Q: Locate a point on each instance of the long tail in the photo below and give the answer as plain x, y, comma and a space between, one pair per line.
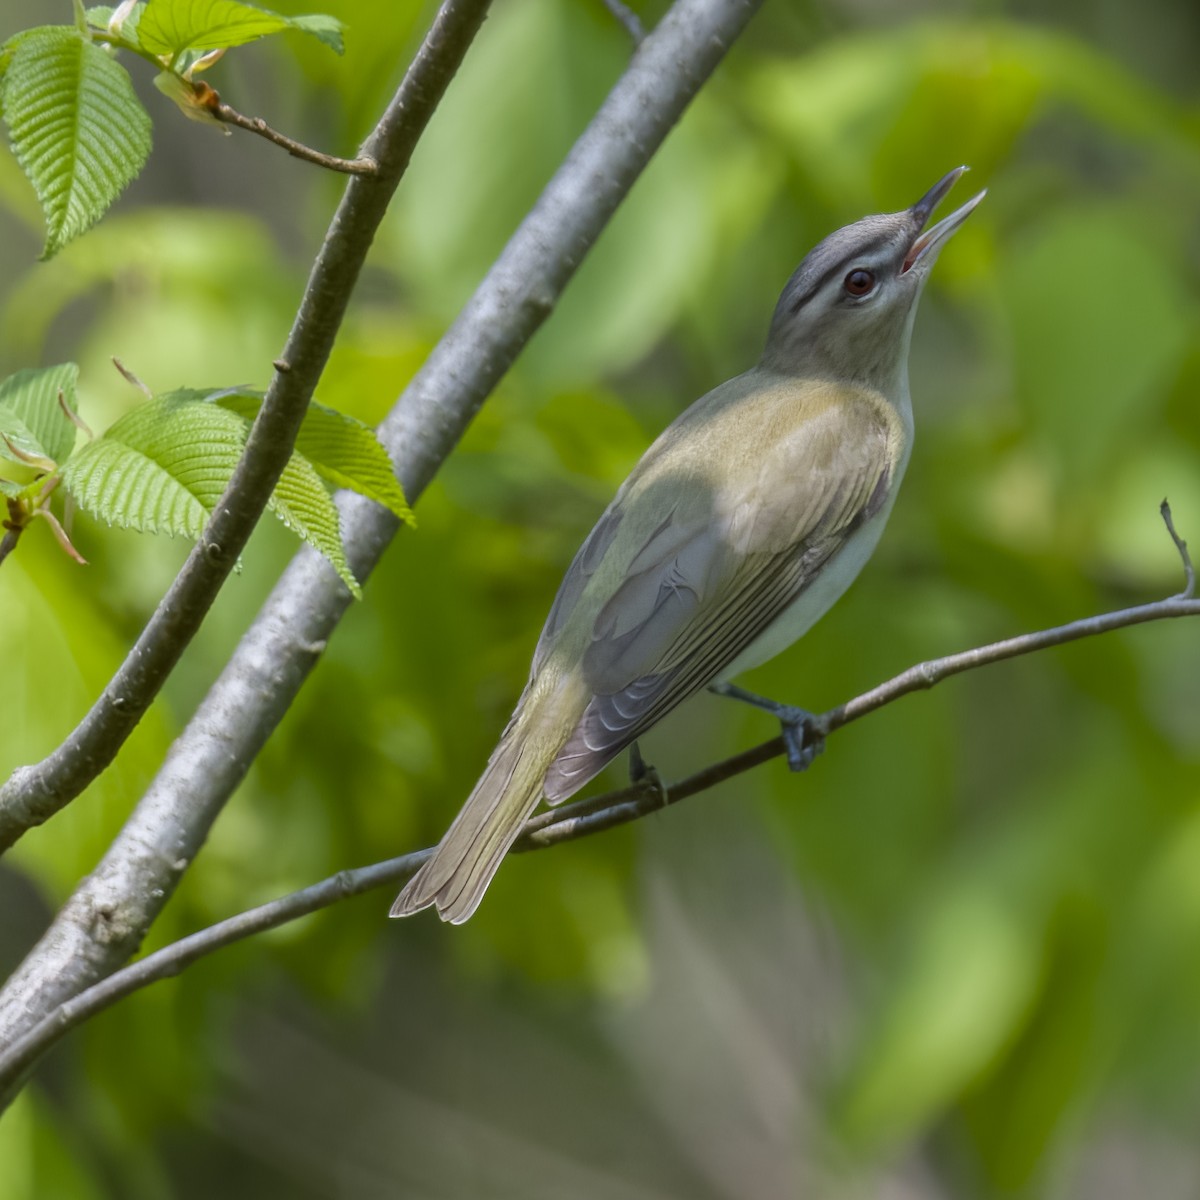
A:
460, 869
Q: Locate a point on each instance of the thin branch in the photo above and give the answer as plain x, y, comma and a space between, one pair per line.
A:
563, 824
35, 793
628, 20
1189, 571
18, 1057
102, 923
362, 165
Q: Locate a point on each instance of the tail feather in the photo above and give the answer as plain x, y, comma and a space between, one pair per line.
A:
460, 869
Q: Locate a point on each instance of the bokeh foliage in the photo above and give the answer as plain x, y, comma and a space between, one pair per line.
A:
960, 954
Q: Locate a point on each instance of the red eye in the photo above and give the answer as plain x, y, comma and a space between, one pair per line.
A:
859, 282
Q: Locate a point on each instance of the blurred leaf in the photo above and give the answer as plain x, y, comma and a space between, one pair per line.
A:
451, 221
194, 286
32, 396
964, 992
1100, 321
38, 1156
77, 128
858, 112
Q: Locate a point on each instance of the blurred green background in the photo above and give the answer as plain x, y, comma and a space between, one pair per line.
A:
958, 958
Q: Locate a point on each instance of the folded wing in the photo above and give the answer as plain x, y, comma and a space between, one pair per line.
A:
704, 584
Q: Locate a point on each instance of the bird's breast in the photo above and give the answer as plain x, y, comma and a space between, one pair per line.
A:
828, 586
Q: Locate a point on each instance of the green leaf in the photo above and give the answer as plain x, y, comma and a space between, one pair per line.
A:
326, 29
10, 489
301, 502
342, 450
160, 468
18, 443
32, 396
164, 466
101, 15
170, 27
76, 127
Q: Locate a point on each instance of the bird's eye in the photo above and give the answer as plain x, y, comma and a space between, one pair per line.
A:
859, 282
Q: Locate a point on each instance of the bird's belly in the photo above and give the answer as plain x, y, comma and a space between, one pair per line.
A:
816, 600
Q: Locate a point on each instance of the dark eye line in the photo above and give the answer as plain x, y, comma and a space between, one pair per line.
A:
836, 270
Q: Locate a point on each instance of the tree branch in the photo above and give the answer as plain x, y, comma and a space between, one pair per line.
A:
363, 165
35, 793
566, 823
102, 923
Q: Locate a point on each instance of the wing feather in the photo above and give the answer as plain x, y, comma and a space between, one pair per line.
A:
702, 592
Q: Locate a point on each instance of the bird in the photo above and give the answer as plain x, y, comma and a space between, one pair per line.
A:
744, 521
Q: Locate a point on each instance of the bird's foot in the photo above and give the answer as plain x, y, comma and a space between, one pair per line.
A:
802, 738
642, 773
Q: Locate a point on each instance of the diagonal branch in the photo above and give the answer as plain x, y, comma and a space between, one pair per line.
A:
568, 822
35, 793
103, 922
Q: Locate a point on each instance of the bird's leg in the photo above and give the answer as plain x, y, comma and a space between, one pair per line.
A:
800, 735
640, 771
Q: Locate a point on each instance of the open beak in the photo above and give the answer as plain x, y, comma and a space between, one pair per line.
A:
925, 243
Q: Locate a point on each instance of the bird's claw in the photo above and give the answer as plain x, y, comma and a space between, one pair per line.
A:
802, 737
802, 740
642, 774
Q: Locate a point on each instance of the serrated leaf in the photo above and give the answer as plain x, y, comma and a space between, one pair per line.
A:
164, 466
301, 502
170, 27
160, 468
76, 127
341, 448
32, 396
10, 489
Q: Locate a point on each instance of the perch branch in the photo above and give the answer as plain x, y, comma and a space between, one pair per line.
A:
568, 822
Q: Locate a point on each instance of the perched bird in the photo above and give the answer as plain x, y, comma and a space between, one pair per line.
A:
740, 526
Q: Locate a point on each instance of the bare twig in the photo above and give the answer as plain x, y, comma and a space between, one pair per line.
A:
628, 19
1189, 571
35, 793
553, 826
362, 165
110, 911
